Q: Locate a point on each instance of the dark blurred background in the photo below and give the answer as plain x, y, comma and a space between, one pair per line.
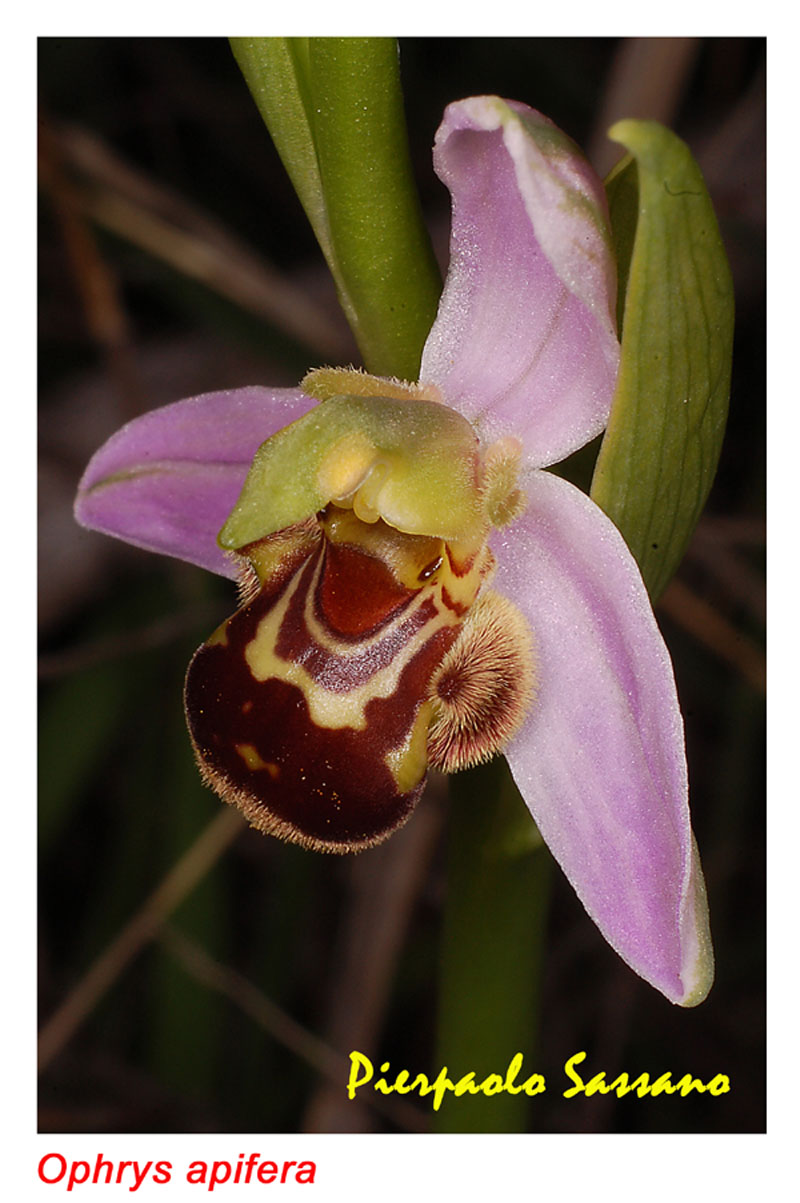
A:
175, 259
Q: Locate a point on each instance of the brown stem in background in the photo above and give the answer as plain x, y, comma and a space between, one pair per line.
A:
185, 874
156, 634
711, 628
647, 80
95, 282
741, 581
384, 889
280, 1025
128, 202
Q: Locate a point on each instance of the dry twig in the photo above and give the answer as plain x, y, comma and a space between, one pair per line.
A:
279, 1024
138, 932
126, 201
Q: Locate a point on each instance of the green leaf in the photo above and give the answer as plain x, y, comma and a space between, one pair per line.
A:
277, 73
334, 108
661, 448
622, 190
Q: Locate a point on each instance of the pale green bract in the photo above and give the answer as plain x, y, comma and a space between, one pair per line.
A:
413, 463
662, 444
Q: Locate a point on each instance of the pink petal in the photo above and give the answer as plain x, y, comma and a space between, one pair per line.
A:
524, 342
600, 760
168, 480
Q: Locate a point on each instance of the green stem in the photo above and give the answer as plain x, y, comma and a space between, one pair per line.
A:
495, 916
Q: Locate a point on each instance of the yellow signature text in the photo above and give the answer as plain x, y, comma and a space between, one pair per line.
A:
362, 1072
641, 1085
511, 1081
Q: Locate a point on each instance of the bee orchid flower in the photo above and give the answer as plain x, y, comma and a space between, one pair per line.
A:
417, 589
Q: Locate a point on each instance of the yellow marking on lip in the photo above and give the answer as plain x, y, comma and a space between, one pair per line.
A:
253, 759
404, 556
328, 708
408, 763
220, 636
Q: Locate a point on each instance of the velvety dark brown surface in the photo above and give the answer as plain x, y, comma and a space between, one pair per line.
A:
326, 783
